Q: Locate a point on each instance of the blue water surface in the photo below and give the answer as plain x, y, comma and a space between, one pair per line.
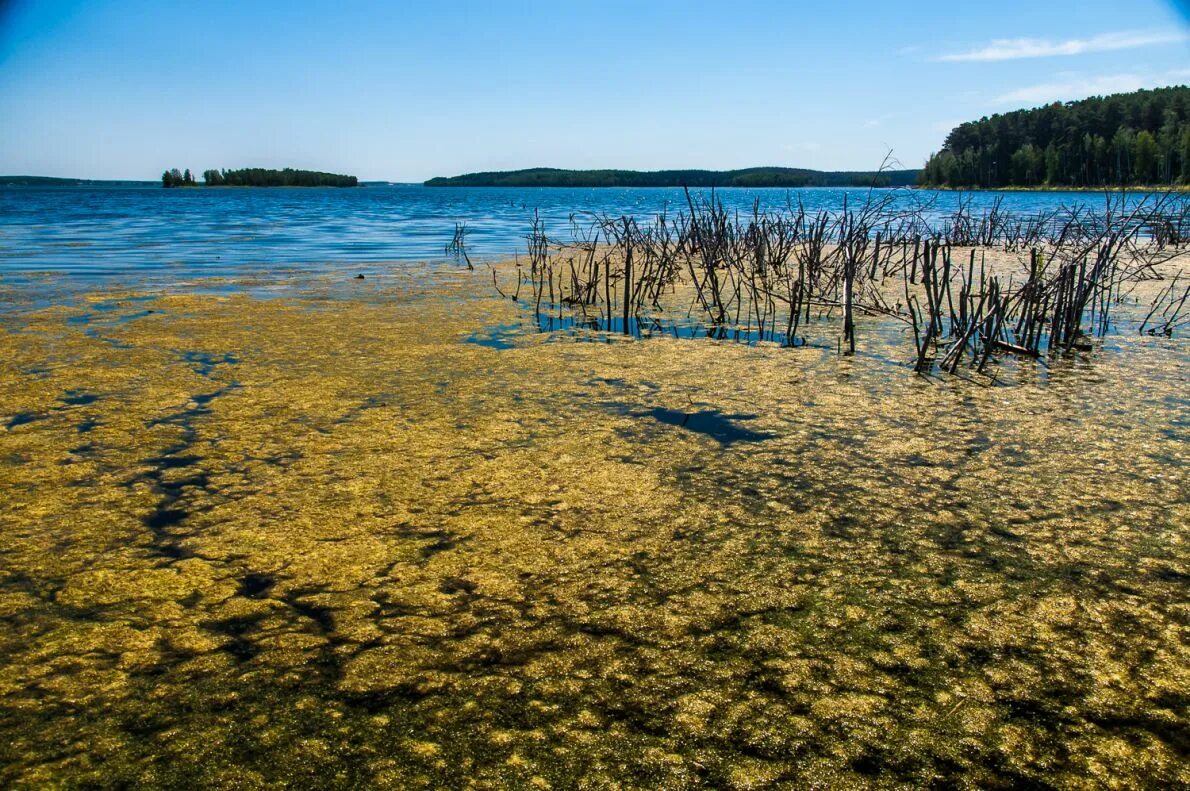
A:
90, 232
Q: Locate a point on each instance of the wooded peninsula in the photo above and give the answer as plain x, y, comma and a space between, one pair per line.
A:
1140, 138
748, 177
257, 177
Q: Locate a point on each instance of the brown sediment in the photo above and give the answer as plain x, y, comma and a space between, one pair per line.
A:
322, 539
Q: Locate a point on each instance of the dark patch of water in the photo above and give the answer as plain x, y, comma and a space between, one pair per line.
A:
163, 517
168, 512
22, 419
115, 344
240, 645
170, 509
442, 542
709, 422
173, 462
202, 399
78, 398
205, 362
453, 585
256, 586
323, 618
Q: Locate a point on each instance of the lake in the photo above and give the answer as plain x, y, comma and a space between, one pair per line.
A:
305, 530
103, 231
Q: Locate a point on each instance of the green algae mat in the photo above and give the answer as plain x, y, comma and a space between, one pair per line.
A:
385, 534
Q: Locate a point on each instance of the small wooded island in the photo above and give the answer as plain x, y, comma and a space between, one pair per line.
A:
257, 177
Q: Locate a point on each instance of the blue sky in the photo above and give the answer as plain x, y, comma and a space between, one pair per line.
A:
405, 91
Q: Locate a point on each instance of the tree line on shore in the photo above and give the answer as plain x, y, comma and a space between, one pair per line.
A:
747, 177
1130, 138
257, 177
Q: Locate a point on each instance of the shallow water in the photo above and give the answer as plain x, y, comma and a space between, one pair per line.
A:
326, 539
164, 235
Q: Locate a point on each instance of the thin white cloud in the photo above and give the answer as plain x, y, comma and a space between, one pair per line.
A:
1018, 48
1081, 88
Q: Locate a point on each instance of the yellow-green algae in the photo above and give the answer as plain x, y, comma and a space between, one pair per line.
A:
317, 540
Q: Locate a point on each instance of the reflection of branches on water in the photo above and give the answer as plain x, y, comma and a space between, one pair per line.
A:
1170, 306
768, 274
458, 244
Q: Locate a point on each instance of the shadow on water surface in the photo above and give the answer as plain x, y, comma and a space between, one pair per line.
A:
712, 423
256, 586
172, 508
205, 362
72, 398
78, 398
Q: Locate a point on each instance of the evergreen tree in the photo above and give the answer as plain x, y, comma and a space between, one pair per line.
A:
1185, 156
1145, 158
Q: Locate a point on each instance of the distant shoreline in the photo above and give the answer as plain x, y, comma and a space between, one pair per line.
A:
758, 177
54, 181
204, 186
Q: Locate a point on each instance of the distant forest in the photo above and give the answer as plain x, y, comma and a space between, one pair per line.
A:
57, 181
750, 177
1129, 138
257, 177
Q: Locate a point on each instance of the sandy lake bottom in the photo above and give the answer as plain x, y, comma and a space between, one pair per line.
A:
350, 534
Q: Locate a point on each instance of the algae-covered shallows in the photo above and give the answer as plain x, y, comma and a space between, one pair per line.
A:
398, 559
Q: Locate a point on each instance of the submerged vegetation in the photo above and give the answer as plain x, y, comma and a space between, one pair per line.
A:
1129, 138
1051, 285
315, 540
748, 177
258, 177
